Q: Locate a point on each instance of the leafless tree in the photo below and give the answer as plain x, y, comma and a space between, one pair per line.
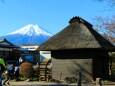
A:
112, 2
110, 24
106, 25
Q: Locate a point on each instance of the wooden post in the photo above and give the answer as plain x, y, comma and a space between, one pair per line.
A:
79, 79
60, 75
98, 82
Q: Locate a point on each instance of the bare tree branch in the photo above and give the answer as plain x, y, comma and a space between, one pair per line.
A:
107, 26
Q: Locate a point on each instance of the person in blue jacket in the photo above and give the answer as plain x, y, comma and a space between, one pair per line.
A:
9, 74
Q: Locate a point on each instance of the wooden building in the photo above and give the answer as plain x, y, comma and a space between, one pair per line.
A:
29, 53
8, 51
78, 48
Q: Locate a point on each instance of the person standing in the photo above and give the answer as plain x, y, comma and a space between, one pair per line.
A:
9, 73
16, 73
0, 76
7, 77
11, 69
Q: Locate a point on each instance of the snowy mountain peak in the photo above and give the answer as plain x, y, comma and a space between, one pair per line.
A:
30, 30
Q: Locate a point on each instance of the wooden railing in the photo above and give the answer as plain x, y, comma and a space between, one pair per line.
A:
44, 70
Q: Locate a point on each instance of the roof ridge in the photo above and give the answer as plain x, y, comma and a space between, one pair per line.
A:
79, 20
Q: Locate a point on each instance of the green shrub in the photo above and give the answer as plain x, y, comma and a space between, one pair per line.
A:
26, 70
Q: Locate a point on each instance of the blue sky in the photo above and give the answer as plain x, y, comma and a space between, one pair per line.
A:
52, 15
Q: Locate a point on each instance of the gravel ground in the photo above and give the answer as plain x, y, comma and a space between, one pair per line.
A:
44, 83
36, 83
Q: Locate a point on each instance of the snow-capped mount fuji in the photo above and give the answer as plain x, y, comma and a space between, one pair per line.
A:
31, 30
30, 34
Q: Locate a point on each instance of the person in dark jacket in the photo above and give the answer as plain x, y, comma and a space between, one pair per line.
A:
16, 73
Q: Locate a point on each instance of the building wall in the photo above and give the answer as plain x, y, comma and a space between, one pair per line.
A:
70, 63
71, 68
10, 55
46, 54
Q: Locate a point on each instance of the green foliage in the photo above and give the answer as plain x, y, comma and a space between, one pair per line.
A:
22, 78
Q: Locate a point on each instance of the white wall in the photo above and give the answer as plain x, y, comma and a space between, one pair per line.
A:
31, 48
46, 54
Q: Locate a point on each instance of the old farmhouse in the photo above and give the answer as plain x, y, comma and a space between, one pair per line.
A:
8, 51
78, 48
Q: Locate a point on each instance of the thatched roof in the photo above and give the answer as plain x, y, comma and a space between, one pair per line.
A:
78, 34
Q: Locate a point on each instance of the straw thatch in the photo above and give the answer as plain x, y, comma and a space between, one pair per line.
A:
79, 34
